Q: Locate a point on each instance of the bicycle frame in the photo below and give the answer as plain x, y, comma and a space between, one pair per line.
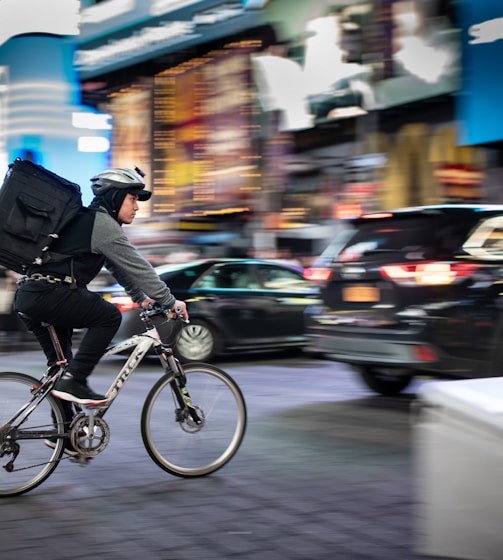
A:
87, 434
140, 345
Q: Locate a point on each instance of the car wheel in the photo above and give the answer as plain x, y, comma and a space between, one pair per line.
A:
385, 380
198, 342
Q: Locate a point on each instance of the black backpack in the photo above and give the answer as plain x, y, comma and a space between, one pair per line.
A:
35, 204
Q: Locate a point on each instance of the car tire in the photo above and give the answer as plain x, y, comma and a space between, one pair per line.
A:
198, 342
384, 380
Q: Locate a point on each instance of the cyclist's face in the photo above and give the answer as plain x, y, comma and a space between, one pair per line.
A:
128, 209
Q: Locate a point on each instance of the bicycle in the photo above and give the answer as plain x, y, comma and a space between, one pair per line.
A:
202, 435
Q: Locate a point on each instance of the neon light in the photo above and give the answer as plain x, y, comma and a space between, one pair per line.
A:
94, 121
155, 37
135, 44
94, 144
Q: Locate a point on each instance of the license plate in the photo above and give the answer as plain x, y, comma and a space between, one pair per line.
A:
362, 294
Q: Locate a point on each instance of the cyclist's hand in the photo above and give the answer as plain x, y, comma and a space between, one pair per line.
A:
179, 308
147, 303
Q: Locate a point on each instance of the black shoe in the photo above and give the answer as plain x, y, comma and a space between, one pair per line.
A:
69, 389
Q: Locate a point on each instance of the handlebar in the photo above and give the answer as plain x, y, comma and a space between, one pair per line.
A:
156, 310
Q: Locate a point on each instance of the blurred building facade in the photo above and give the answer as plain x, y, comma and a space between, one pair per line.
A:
41, 115
259, 118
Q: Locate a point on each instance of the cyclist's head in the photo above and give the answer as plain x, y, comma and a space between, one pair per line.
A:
122, 179
111, 187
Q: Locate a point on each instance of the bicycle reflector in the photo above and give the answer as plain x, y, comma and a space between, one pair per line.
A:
430, 273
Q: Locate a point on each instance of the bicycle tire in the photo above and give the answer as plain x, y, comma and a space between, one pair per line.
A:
35, 461
186, 450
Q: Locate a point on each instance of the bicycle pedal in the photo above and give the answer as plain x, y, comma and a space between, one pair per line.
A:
81, 460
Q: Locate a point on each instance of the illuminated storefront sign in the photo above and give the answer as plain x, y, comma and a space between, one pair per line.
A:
315, 89
461, 182
140, 43
203, 135
355, 58
132, 138
119, 33
479, 105
40, 111
107, 17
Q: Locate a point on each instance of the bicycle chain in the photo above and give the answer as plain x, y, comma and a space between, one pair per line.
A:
40, 464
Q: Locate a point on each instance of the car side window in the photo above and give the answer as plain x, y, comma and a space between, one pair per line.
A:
231, 277
206, 281
277, 278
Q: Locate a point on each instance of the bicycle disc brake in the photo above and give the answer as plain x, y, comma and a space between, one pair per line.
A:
186, 421
89, 435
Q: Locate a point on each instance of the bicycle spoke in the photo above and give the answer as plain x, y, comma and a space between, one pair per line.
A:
183, 447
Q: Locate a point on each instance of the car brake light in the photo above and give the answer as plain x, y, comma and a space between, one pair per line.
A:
123, 303
424, 353
377, 215
317, 274
431, 273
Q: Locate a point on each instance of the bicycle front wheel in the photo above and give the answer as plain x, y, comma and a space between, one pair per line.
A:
25, 460
182, 447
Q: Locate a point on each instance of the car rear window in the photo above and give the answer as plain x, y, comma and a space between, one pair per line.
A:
426, 234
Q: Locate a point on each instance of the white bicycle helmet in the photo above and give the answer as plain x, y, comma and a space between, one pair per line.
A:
121, 178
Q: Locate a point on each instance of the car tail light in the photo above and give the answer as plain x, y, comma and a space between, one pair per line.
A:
123, 303
317, 274
424, 353
377, 215
430, 273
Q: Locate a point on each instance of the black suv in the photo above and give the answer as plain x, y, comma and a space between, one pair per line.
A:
411, 292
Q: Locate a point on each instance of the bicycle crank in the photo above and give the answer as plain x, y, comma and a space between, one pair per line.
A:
89, 434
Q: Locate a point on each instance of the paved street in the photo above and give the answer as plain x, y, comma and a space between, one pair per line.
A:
325, 472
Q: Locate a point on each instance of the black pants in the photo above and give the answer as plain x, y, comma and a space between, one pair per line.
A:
68, 308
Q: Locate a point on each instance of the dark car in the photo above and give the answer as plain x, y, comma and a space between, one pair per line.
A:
412, 292
234, 305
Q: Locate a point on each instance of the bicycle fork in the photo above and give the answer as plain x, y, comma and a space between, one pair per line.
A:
186, 408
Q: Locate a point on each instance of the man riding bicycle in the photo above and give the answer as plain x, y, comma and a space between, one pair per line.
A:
57, 293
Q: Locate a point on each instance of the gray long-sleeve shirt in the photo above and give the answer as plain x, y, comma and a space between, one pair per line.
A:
125, 262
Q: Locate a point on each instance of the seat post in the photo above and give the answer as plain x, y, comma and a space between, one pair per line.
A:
61, 359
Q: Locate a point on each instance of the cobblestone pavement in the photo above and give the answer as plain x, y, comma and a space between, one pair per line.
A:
325, 472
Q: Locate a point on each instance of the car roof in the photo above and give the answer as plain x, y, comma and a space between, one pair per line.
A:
210, 261
434, 209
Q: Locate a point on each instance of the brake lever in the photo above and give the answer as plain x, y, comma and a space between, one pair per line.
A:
179, 315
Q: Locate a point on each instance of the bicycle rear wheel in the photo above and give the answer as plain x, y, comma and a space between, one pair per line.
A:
35, 461
183, 448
